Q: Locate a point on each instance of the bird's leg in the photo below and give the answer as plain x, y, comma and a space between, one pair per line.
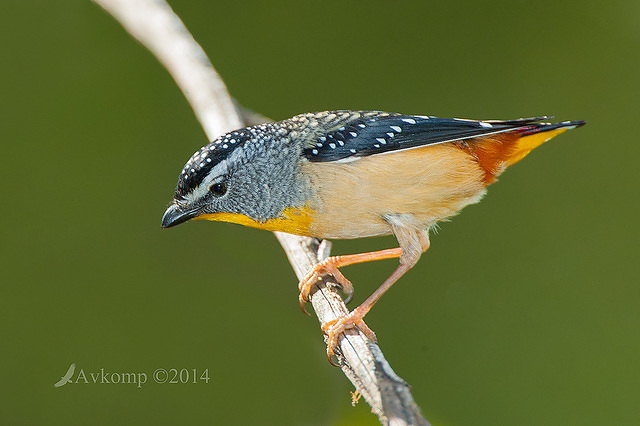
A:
412, 244
331, 265
334, 328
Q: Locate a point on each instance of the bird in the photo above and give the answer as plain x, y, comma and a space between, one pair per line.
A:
67, 376
353, 174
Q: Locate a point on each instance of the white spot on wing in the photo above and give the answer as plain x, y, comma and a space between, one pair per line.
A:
396, 128
409, 120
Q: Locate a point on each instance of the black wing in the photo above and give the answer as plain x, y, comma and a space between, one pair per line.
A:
390, 132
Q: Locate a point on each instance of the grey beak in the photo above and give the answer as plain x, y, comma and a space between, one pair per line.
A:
175, 215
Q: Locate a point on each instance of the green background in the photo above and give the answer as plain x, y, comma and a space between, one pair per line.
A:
523, 312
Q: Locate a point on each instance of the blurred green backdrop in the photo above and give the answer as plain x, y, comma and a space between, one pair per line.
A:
523, 312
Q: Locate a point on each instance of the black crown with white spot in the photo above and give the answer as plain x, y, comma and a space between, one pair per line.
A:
201, 163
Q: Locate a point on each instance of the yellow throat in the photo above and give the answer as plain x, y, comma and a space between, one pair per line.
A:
293, 220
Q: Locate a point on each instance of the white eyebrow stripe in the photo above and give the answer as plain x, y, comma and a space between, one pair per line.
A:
214, 175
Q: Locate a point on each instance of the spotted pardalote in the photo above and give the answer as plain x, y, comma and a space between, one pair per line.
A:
353, 174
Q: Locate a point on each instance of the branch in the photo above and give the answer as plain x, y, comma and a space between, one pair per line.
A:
157, 27
361, 361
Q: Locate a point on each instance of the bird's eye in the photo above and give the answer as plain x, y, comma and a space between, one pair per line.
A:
218, 189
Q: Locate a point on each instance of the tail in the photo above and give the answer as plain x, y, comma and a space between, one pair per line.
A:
497, 152
533, 136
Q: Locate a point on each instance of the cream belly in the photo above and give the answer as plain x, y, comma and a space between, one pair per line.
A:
420, 186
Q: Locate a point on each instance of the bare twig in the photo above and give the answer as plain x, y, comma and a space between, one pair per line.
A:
157, 27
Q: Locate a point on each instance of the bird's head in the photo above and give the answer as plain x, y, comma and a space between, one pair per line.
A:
246, 177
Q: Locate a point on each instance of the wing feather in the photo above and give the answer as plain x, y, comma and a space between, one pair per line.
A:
376, 133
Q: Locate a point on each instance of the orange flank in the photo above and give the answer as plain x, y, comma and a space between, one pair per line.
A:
495, 153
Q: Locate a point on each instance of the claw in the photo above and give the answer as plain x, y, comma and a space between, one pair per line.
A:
327, 266
332, 329
348, 292
302, 301
330, 354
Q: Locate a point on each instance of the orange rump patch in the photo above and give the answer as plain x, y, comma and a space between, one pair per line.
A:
495, 153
